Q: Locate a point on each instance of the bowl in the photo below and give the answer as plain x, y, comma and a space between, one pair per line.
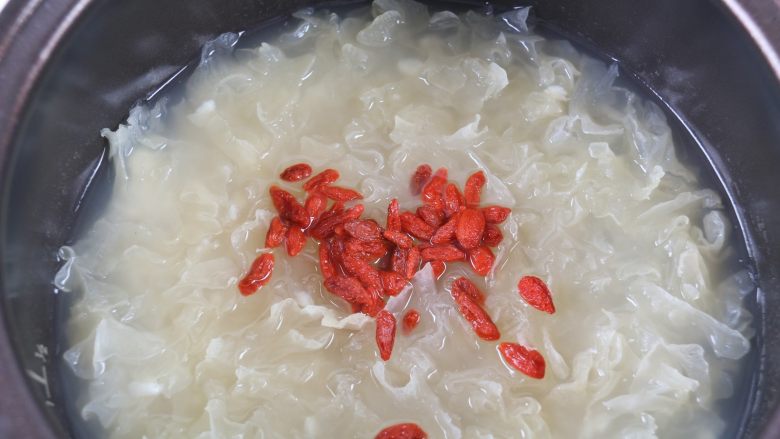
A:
71, 67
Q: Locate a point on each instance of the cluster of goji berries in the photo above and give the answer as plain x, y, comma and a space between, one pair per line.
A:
363, 262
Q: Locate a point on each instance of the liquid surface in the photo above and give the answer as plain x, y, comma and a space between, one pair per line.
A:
649, 328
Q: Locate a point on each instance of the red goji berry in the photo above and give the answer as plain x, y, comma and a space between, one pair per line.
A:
463, 285
492, 236
471, 226
413, 259
527, 361
327, 176
400, 239
315, 204
473, 189
366, 249
385, 333
438, 268
296, 172
496, 214
374, 307
441, 173
535, 292
481, 260
398, 261
413, 225
329, 220
280, 198
392, 282
338, 193
349, 289
419, 178
326, 263
259, 274
444, 253
453, 200
364, 272
336, 249
446, 233
339, 231
411, 319
364, 230
474, 314
288, 207
402, 431
432, 193
276, 232
432, 217
295, 240
393, 217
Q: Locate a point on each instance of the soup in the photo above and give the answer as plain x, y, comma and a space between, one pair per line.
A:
648, 327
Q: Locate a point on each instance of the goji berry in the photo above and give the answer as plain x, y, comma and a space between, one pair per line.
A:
398, 261
474, 314
432, 193
327, 176
364, 272
432, 217
413, 225
392, 282
315, 204
471, 226
492, 236
413, 259
481, 260
295, 240
296, 172
402, 431
288, 207
463, 285
349, 289
444, 253
336, 249
419, 178
329, 220
374, 307
441, 173
438, 268
496, 214
535, 292
366, 249
423, 245
276, 232
393, 217
365, 230
326, 264
259, 274
453, 200
527, 361
446, 233
411, 319
400, 239
338, 193
280, 198
473, 189
385, 333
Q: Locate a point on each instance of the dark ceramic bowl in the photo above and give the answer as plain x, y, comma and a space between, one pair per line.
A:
71, 67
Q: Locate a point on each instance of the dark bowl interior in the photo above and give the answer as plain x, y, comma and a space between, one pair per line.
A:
75, 67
